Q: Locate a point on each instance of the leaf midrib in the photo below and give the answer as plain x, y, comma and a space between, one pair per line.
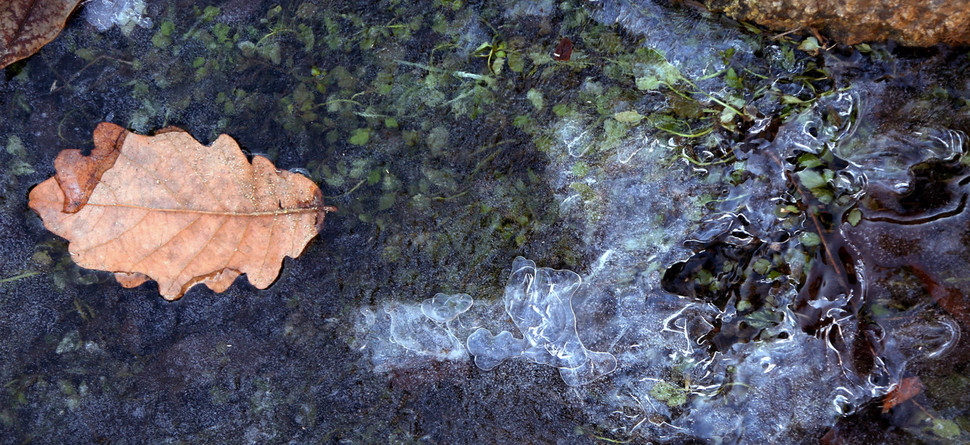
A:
314, 209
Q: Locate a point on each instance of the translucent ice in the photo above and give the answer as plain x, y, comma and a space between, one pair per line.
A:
443, 308
539, 300
403, 335
416, 333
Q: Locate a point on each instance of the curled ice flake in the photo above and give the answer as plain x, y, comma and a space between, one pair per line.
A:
539, 302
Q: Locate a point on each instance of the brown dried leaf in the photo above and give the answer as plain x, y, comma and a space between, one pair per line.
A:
906, 389
168, 208
27, 25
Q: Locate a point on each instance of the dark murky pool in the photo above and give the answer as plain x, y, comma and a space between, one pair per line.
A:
575, 222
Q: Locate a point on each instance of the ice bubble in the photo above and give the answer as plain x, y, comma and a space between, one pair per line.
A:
539, 301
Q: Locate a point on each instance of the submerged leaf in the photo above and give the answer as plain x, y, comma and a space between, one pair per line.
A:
564, 50
168, 208
27, 25
811, 178
907, 389
628, 117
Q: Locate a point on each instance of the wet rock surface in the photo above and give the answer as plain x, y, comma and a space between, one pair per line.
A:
909, 22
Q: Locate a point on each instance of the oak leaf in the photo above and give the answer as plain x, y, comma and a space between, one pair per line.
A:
27, 25
168, 208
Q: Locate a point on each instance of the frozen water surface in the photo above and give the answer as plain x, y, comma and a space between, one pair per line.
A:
691, 231
539, 301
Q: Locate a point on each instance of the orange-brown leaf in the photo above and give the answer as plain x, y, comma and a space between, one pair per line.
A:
906, 389
27, 25
168, 208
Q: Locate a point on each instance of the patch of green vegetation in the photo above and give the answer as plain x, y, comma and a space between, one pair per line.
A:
19, 165
672, 395
945, 428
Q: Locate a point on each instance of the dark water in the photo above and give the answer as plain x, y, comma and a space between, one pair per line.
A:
725, 236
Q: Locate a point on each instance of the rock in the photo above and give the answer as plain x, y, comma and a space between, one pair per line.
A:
909, 22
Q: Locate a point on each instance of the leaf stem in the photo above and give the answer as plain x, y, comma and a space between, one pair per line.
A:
19, 276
